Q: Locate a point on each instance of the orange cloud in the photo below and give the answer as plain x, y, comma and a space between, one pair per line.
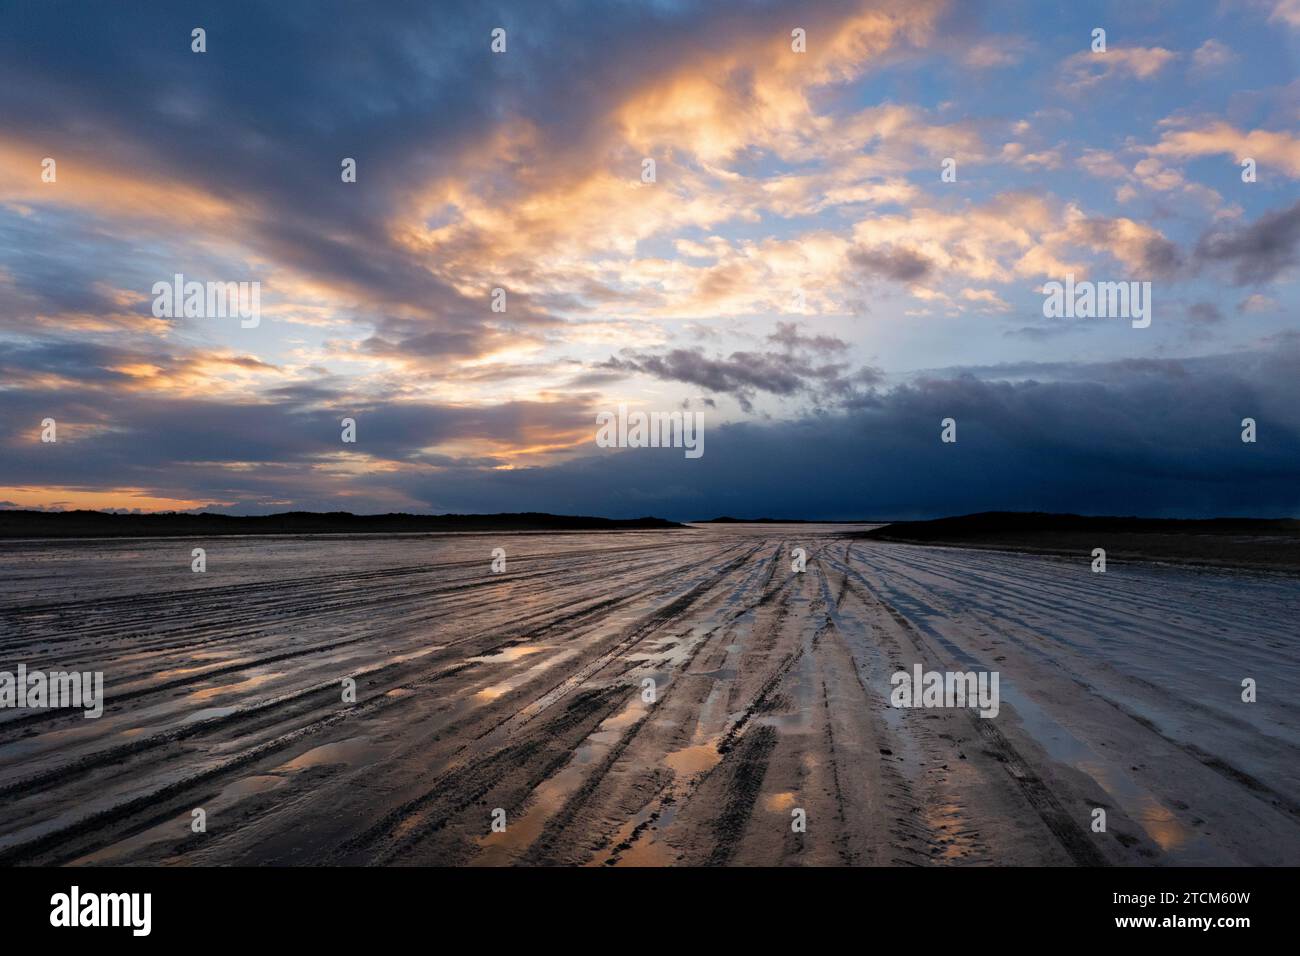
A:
96, 499
84, 182
1086, 68
577, 224
1269, 149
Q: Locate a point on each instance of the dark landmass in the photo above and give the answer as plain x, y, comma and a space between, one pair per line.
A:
100, 524
1270, 543
727, 519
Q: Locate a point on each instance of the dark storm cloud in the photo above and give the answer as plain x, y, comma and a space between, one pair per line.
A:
283, 89
798, 367
1158, 438
1143, 436
1259, 252
741, 375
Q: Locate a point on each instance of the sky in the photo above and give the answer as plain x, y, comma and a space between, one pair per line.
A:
855, 210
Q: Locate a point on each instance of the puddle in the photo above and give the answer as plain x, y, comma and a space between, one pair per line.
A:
413, 655
249, 786
211, 659
494, 691
779, 802
671, 652
179, 828
1183, 846
343, 751
509, 654
1163, 827
1156, 819
209, 712
237, 687
693, 760
646, 850
549, 797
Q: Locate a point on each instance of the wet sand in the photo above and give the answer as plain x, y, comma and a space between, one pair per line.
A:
1233, 543
523, 691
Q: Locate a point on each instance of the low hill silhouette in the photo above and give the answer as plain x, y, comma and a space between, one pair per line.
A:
101, 524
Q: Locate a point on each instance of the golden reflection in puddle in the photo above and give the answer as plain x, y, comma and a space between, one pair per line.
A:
550, 796
1162, 825
498, 848
692, 760
209, 661
647, 852
779, 802
628, 716
524, 676
257, 680
509, 654
639, 841
344, 751
1156, 819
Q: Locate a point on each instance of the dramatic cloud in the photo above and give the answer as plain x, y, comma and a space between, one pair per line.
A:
800, 367
1157, 438
666, 205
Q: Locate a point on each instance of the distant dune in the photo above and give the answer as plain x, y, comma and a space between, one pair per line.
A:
1224, 542
99, 524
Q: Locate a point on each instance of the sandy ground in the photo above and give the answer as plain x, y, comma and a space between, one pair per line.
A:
523, 691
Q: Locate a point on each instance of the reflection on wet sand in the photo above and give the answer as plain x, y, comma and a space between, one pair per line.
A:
524, 691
